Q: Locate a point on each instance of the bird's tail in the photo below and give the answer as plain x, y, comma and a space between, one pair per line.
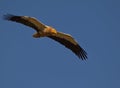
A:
36, 35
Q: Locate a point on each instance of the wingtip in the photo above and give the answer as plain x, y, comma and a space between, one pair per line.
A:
81, 53
84, 57
7, 16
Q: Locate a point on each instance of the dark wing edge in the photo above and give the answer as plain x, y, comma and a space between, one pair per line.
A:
75, 48
28, 21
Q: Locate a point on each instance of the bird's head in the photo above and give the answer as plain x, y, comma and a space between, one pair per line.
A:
50, 30
53, 31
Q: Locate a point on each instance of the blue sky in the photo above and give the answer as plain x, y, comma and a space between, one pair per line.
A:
26, 62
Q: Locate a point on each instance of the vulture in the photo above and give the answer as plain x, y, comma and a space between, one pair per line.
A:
43, 30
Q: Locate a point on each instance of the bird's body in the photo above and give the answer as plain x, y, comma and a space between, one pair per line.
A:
47, 31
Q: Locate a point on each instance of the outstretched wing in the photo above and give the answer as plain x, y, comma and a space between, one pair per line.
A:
26, 20
70, 43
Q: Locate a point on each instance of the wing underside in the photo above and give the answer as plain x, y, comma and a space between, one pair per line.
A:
70, 43
28, 21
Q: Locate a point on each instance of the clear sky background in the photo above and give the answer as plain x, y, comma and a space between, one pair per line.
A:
26, 62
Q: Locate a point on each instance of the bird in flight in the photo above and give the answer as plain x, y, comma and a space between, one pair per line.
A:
43, 30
